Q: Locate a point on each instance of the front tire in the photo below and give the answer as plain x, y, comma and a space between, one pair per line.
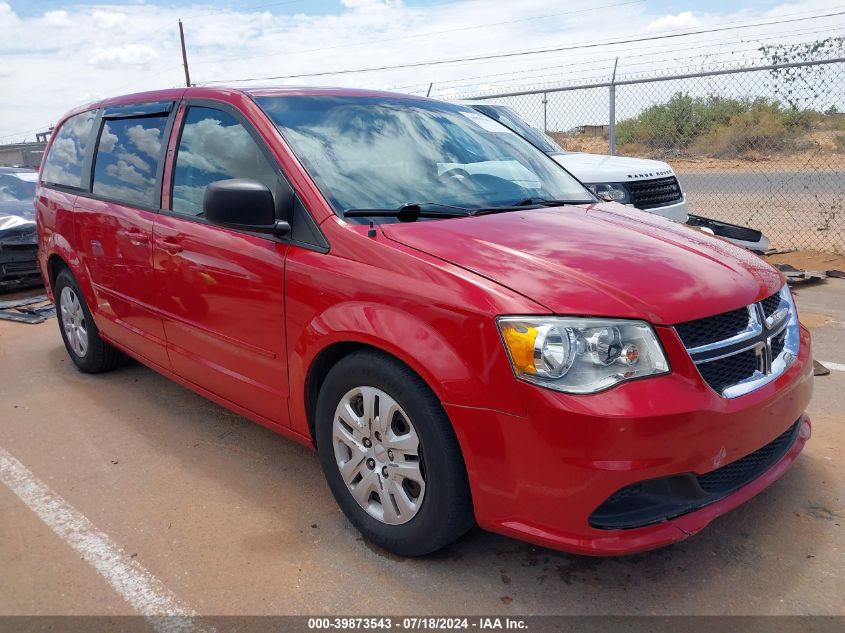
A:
390, 455
90, 353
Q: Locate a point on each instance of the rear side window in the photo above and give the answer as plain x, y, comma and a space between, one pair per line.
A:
128, 156
214, 146
67, 152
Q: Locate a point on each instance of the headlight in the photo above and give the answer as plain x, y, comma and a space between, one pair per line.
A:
581, 355
615, 192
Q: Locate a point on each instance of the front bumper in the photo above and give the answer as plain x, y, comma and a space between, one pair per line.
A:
540, 477
19, 266
677, 212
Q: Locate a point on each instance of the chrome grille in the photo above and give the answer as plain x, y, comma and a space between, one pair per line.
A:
741, 350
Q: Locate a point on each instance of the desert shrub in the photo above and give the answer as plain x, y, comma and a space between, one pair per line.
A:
794, 120
674, 124
755, 131
715, 125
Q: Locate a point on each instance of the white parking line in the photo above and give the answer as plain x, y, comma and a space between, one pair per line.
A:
833, 366
136, 585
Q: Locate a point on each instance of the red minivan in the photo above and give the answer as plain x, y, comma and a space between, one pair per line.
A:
457, 325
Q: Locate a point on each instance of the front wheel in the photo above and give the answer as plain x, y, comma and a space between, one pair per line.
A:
390, 455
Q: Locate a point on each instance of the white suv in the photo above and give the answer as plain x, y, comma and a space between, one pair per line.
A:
649, 185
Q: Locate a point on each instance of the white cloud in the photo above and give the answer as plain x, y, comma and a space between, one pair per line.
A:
135, 160
86, 51
108, 19
65, 150
108, 139
370, 5
127, 55
684, 20
9, 21
127, 173
56, 18
145, 139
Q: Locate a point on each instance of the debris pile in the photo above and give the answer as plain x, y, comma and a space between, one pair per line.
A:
29, 310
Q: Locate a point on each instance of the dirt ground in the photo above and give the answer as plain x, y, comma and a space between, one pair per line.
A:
232, 519
809, 160
821, 158
809, 260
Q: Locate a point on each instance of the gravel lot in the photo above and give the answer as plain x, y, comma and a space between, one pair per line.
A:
229, 518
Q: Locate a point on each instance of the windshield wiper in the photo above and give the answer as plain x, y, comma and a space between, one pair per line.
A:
548, 203
410, 211
529, 203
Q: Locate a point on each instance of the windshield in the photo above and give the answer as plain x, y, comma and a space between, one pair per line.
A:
384, 152
510, 119
17, 187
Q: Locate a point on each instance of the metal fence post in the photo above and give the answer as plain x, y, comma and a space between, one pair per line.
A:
545, 113
611, 128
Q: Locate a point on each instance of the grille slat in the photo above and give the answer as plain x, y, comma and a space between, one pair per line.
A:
713, 329
20, 268
770, 304
648, 194
730, 370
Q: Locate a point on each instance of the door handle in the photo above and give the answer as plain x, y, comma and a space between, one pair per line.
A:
171, 245
138, 237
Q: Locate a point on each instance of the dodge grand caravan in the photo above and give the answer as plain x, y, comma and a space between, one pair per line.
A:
462, 331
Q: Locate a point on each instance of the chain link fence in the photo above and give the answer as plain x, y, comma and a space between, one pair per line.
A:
762, 147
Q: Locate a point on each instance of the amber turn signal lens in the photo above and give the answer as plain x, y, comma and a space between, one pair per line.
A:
519, 340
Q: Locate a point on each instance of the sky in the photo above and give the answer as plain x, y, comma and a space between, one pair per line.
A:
57, 54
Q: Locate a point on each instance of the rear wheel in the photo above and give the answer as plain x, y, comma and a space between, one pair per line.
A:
87, 350
390, 455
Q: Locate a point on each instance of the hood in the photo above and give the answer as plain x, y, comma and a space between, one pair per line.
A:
599, 260
599, 168
17, 223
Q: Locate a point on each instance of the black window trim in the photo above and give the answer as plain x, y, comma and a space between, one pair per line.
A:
142, 110
222, 106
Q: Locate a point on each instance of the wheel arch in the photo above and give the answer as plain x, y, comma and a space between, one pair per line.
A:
319, 368
60, 255
346, 328
55, 264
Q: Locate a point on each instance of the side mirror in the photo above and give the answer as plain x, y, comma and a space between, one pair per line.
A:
243, 204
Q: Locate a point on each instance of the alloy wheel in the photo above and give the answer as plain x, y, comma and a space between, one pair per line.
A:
73, 321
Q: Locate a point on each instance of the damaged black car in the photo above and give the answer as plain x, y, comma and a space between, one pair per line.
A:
18, 262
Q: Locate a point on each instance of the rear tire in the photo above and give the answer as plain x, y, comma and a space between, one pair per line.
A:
90, 353
405, 486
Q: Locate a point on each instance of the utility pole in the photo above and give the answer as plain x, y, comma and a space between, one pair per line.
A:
184, 55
